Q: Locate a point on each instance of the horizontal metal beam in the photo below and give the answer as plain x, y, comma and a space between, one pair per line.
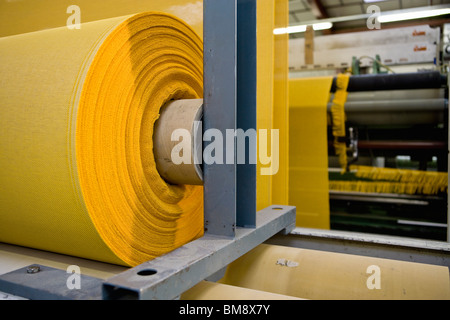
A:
370, 106
385, 195
369, 245
403, 145
337, 195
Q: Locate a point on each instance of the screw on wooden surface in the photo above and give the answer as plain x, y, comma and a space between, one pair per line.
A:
33, 269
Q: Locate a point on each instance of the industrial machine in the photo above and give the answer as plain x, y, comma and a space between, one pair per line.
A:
405, 128
265, 254
396, 117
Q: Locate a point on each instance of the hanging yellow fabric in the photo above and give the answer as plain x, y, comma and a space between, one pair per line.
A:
77, 172
272, 97
338, 118
308, 150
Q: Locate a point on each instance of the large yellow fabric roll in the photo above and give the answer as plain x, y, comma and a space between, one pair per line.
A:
76, 164
393, 180
23, 16
77, 172
338, 119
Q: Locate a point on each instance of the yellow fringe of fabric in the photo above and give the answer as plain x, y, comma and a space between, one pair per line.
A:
338, 118
390, 180
385, 187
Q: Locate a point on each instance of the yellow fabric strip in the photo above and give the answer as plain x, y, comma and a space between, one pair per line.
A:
439, 179
308, 151
385, 187
338, 118
77, 169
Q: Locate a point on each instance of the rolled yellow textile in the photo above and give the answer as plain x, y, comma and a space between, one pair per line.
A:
77, 172
338, 118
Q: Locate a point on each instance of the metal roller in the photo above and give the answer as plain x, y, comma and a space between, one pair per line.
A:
400, 112
401, 81
394, 95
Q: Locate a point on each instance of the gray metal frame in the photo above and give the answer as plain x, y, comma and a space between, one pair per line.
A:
229, 32
49, 284
369, 245
219, 111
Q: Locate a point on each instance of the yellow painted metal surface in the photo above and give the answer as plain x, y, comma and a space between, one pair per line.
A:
308, 151
272, 97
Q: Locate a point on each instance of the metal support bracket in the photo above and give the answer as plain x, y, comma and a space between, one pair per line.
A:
168, 276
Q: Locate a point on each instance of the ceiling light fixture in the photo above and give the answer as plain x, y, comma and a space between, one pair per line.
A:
412, 15
302, 28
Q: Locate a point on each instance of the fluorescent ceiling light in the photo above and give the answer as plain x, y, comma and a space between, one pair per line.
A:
412, 15
322, 26
302, 28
